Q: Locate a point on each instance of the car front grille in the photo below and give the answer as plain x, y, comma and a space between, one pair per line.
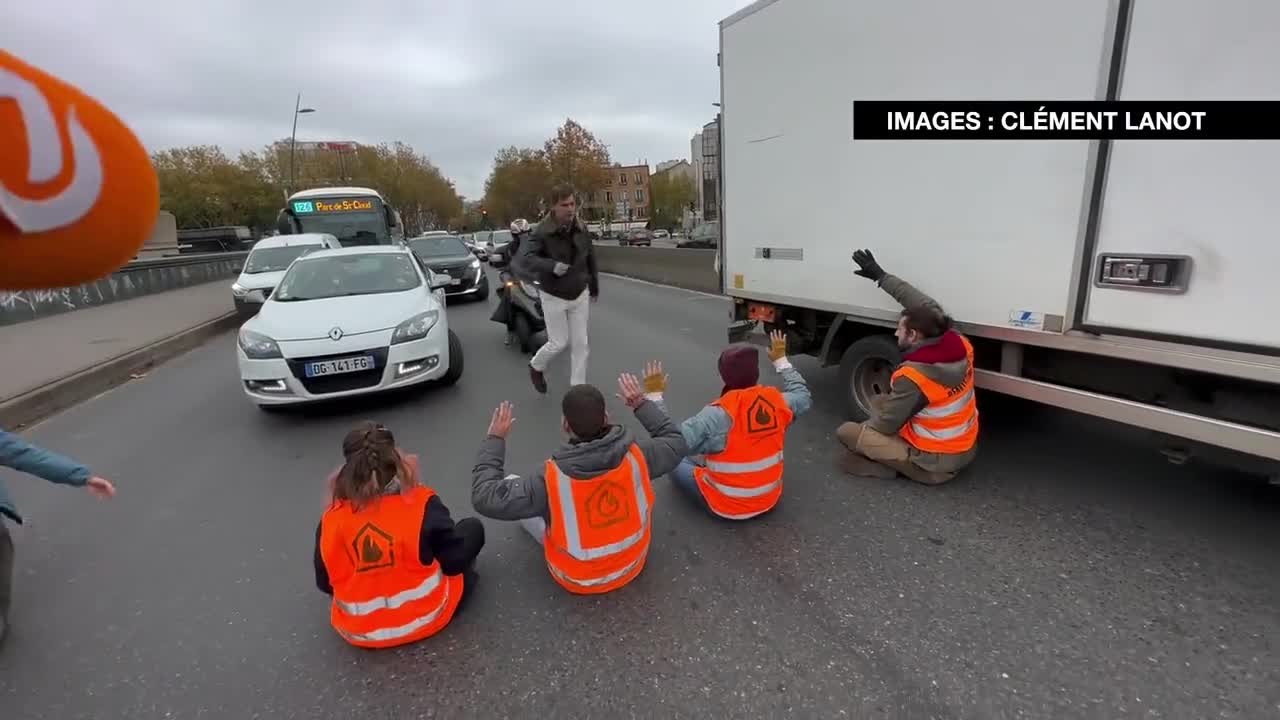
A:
464, 272
345, 381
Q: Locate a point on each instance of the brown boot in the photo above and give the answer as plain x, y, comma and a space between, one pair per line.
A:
851, 463
919, 474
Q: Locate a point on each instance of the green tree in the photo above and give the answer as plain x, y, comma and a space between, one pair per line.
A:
518, 185
203, 187
576, 157
670, 195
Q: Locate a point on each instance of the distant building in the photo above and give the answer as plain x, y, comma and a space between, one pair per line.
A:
710, 193
695, 159
678, 168
624, 197
666, 164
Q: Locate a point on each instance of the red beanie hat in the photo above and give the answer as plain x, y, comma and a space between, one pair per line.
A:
739, 367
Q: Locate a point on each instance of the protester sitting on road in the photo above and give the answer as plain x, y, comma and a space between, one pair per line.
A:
741, 434
926, 427
24, 457
396, 564
560, 255
591, 504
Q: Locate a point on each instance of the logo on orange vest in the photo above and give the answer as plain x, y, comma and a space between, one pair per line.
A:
607, 506
761, 416
374, 548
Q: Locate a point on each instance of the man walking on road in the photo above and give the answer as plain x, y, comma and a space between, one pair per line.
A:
24, 457
926, 427
560, 256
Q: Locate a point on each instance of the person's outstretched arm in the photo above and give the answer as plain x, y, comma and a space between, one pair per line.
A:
496, 494
906, 294
665, 447
17, 453
795, 392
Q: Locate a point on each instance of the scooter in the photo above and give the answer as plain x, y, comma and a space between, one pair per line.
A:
520, 310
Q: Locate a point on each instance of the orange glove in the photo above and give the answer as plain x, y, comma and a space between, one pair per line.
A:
78, 193
777, 345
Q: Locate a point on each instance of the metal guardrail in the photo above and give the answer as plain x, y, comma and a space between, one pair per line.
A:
181, 260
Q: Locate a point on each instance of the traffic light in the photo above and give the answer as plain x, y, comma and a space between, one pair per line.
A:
484, 211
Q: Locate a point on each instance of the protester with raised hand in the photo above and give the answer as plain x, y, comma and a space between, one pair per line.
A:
590, 504
741, 434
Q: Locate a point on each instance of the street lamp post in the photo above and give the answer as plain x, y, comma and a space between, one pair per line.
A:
293, 137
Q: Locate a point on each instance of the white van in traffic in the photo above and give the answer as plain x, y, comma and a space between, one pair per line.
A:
266, 264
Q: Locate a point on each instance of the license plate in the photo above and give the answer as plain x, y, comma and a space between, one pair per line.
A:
456, 281
496, 256
340, 366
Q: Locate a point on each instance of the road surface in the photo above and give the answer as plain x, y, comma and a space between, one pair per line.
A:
1071, 574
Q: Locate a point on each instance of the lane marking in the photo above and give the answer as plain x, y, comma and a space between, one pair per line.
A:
669, 287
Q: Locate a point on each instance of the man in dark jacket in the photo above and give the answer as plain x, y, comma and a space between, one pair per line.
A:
559, 255
926, 426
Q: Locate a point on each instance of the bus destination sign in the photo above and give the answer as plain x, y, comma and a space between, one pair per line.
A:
315, 207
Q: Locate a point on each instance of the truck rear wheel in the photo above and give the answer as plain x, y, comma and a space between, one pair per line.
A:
866, 368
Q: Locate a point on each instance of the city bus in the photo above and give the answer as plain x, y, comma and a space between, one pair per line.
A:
354, 215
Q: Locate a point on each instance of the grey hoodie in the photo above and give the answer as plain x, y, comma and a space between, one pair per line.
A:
495, 495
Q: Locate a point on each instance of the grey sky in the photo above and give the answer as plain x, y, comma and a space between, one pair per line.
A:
457, 79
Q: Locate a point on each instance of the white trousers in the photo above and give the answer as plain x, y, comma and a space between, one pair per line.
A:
566, 327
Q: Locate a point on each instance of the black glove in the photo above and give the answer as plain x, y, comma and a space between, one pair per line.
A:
867, 266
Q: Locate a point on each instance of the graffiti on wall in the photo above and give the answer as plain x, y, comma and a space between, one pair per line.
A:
24, 305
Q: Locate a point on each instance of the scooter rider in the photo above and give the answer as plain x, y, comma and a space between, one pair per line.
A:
504, 313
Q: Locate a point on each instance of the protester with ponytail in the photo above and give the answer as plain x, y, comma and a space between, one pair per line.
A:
387, 550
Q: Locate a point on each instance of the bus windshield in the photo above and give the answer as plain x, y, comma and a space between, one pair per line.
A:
353, 220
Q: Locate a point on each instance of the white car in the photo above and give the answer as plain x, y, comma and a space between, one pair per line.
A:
348, 322
266, 264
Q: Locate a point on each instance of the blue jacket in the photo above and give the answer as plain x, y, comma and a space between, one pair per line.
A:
24, 457
707, 432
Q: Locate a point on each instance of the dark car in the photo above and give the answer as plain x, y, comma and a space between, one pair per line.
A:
448, 254
637, 237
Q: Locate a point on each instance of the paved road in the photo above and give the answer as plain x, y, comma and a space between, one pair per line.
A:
1072, 574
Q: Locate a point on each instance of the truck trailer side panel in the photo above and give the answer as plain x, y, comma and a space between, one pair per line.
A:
1208, 208
798, 189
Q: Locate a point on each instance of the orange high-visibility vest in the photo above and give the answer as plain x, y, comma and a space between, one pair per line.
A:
745, 479
600, 528
949, 423
383, 595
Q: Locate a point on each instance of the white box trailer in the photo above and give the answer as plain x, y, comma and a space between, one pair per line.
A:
1135, 280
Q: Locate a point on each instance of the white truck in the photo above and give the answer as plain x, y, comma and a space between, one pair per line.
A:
1135, 280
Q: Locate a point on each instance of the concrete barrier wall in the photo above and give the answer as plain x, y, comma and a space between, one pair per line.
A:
692, 269
142, 277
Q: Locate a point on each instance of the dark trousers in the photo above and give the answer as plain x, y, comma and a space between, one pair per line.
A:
472, 532
6, 568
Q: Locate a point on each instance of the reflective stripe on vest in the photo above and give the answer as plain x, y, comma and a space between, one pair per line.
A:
368, 607
948, 424
736, 468
603, 579
401, 631
572, 535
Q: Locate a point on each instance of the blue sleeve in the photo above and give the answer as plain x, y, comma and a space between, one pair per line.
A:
24, 457
795, 391
707, 433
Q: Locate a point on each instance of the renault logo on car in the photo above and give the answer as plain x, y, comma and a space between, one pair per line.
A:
335, 334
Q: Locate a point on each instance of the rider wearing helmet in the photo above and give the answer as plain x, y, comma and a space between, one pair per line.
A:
519, 228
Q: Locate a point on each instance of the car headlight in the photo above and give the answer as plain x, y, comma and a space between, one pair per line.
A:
239, 290
475, 263
416, 327
258, 346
